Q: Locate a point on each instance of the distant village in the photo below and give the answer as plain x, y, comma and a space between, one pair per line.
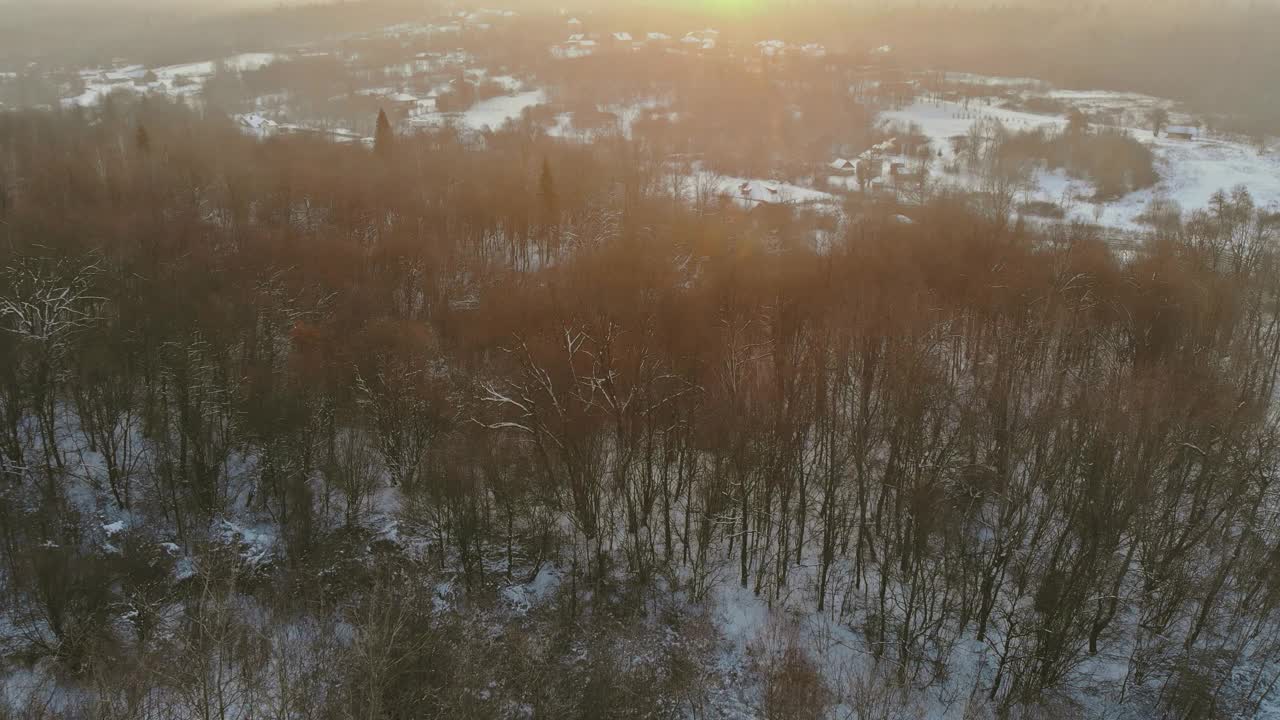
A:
827, 125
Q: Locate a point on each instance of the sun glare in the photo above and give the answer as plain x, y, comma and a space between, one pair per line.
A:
728, 8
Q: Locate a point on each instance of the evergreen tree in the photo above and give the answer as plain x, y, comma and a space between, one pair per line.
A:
550, 209
547, 192
863, 172
384, 138
1077, 123
1159, 118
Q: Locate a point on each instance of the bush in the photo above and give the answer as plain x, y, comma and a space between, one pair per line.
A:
1112, 160
794, 688
489, 89
873, 694
1043, 208
1162, 213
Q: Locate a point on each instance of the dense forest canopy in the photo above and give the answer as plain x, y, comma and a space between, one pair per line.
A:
286, 423
737, 359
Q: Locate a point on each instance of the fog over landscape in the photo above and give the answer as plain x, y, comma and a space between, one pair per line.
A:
711, 359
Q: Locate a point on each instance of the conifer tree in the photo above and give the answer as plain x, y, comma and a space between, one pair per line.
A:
550, 208
547, 192
384, 137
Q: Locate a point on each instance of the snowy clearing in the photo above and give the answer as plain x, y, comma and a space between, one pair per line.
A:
489, 114
1191, 171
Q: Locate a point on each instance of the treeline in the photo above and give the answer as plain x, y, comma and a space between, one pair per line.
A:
78, 33
1177, 51
1112, 160
484, 359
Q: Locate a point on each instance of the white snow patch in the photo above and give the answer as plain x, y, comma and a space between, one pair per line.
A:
495, 112
1190, 171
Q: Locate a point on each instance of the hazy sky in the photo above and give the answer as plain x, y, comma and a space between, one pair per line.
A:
171, 6
728, 6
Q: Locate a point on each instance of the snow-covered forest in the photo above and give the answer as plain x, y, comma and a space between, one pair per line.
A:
557, 398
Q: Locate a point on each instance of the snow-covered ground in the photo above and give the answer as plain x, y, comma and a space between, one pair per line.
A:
625, 116
991, 80
240, 63
749, 192
943, 120
491, 114
700, 184
1190, 171
495, 112
188, 81
173, 80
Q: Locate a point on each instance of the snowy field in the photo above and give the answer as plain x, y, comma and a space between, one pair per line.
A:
174, 80
943, 120
624, 118
495, 112
1190, 171
750, 192
700, 185
187, 81
489, 114
991, 80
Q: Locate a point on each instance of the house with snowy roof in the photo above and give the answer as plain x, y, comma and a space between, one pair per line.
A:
578, 45
398, 100
255, 123
844, 166
622, 40
771, 48
702, 39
